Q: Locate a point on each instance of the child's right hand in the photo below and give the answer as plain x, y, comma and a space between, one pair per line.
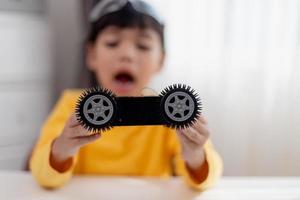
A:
64, 147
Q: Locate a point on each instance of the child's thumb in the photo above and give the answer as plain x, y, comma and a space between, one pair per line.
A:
146, 91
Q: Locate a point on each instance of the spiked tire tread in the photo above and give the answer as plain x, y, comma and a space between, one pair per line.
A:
193, 113
83, 116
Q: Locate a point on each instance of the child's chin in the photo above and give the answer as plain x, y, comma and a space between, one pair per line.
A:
125, 89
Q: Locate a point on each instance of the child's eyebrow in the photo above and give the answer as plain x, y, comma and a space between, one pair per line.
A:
146, 34
113, 30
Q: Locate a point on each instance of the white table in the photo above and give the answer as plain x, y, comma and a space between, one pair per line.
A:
20, 185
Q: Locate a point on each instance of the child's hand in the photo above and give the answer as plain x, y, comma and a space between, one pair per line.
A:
68, 143
192, 140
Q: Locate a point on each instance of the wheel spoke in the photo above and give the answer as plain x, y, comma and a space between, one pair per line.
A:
94, 104
176, 112
105, 108
172, 104
184, 107
184, 99
181, 112
176, 99
102, 114
91, 111
100, 102
96, 114
173, 112
173, 108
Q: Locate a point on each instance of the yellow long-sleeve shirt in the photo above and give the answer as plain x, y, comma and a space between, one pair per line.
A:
128, 151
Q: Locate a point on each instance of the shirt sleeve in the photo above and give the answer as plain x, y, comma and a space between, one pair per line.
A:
39, 164
213, 159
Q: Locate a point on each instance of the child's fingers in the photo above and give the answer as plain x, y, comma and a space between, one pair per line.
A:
202, 119
146, 91
201, 128
73, 122
191, 134
78, 131
185, 140
79, 141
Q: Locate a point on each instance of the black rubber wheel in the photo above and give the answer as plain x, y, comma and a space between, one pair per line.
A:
180, 106
96, 109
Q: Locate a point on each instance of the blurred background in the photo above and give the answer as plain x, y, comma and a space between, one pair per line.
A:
242, 56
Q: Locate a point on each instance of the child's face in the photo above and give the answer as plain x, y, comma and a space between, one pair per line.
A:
125, 59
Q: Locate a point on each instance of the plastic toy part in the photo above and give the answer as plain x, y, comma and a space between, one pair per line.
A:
98, 109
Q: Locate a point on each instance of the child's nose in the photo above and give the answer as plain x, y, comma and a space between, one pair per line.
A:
127, 52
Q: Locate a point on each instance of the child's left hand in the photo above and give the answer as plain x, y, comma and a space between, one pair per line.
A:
192, 139
192, 142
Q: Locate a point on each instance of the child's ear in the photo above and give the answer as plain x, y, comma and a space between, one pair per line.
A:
90, 56
161, 61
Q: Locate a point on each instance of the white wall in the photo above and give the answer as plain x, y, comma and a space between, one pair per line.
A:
25, 84
243, 57
40, 48
65, 22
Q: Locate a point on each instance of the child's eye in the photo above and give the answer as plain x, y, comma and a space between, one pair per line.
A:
143, 47
112, 44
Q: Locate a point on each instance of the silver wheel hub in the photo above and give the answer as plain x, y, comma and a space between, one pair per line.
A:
98, 109
179, 106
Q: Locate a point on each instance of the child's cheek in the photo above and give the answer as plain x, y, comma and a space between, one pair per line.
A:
103, 75
146, 76
106, 78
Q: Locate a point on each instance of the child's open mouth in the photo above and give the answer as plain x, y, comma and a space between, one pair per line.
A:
124, 82
124, 78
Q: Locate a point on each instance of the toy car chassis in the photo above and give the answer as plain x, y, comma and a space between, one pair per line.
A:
98, 109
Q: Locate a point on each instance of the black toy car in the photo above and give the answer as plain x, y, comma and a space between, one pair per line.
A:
98, 109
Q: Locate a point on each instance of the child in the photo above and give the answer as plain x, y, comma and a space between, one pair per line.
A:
125, 49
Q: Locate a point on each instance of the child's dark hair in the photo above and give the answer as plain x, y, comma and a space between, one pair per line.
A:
126, 17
